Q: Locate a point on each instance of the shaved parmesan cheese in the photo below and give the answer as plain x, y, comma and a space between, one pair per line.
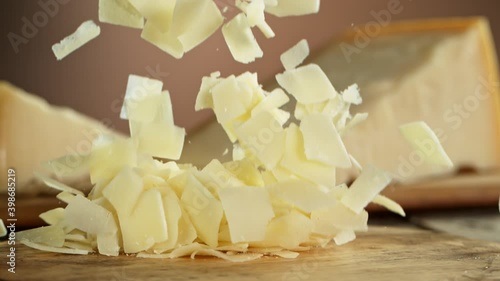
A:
240, 40
61, 250
248, 211
94, 220
158, 12
195, 21
278, 195
254, 12
365, 188
322, 141
57, 185
355, 163
204, 210
3, 229
357, 119
124, 191
296, 161
330, 221
109, 157
65, 196
246, 171
351, 95
83, 34
204, 97
288, 231
264, 137
108, 243
286, 254
304, 196
166, 41
285, 8
276, 99
295, 55
423, 139
120, 12
47, 235
238, 153
173, 213
230, 100
139, 88
389, 204
308, 84
146, 225
159, 140
53, 217
344, 236
233, 258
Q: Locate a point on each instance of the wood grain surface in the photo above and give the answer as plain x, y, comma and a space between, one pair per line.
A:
383, 253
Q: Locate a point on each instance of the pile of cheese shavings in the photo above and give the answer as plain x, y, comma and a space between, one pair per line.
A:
277, 197
178, 26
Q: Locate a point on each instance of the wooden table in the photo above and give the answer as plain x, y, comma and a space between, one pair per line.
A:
384, 253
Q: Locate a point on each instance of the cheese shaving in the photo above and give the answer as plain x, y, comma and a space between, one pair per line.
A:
423, 139
295, 55
83, 34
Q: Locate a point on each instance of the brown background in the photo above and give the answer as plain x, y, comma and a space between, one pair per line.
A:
93, 79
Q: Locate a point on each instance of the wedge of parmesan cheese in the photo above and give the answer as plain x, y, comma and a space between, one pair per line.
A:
62, 131
441, 71
84, 33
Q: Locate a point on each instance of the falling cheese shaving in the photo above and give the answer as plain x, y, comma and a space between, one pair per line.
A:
278, 195
423, 139
83, 34
176, 26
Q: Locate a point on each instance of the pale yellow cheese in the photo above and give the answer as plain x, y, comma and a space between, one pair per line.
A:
84, 33
365, 188
322, 141
57, 130
248, 211
120, 12
423, 139
157, 12
441, 71
183, 27
240, 40
283, 8
308, 84
295, 55
295, 160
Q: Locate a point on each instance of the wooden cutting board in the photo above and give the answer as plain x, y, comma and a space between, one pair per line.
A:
384, 253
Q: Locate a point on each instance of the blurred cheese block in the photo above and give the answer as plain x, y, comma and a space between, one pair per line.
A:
441, 71
32, 131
